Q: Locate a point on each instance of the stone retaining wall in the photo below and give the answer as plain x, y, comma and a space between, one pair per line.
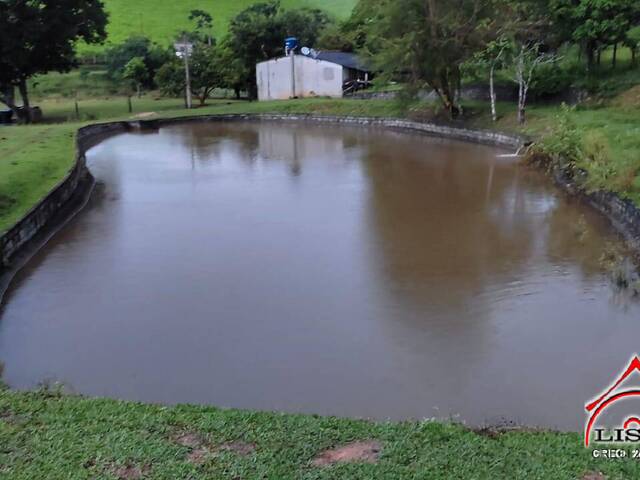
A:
622, 213
40, 215
477, 136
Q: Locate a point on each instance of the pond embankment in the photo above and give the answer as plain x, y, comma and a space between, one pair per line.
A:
34, 229
264, 235
29, 234
449, 264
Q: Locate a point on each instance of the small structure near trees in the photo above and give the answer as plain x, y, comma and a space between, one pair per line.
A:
323, 74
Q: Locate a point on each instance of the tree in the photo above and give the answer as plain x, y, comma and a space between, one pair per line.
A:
527, 59
204, 23
427, 41
632, 40
206, 68
529, 30
206, 71
495, 56
334, 38
153, 56
136, 72
234, 72
39, 36
170, 78
258, 34
595, 23
357, 29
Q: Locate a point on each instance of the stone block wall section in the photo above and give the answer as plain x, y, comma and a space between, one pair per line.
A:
45, 217
486, 137
622, 213
14, 239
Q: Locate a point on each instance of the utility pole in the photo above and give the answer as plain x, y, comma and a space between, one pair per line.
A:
187, 79
293, 75
184, 49
290, 45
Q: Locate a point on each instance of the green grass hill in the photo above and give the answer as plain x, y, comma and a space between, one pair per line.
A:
161, 20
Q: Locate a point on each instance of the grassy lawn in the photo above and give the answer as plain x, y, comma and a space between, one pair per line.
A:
32, 160
162, 20
89, 83
49, 436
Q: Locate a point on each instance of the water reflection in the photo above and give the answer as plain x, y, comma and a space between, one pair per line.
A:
318, 269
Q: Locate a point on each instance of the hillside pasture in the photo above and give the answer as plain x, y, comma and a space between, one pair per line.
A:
162, 20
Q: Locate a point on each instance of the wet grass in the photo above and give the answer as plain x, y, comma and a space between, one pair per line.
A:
45, 435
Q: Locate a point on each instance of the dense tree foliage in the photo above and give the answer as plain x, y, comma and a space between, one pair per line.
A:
206, 70
426, 42
358, 32
137, 73
594, 24
39, 36
632, 40
204, 25
153, 56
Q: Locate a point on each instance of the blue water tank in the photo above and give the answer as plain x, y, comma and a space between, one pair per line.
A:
290, 43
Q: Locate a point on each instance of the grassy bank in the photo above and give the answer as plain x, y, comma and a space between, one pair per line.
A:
32, 160
43, 435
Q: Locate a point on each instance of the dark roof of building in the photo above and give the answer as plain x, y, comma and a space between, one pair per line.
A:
347, 60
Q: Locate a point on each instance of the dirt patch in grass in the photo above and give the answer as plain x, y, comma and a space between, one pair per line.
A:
144, 115
189, 440
129, 471
198, 456
594, 476
200, 449
356, 452
15, 420
239, 448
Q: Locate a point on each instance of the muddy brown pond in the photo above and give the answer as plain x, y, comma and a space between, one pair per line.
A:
331, 270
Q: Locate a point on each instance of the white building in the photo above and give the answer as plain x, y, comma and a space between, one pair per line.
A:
299, 76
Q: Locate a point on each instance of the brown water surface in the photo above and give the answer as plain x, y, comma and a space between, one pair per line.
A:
328, 270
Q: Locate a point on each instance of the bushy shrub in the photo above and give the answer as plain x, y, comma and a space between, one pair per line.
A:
596, 159
563, 147
551, 80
